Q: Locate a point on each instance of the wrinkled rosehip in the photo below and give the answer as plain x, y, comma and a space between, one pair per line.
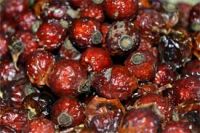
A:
120, 9
68, 77
104, 115
85, 32
145, 89
192, 68
121, 38
7, 27
194, 18
79, 3
115, 82
3, 46
7, 129
141, 121
142, 64
38, 65
67, 112
39, 125
96, 59
50, 35
177, 127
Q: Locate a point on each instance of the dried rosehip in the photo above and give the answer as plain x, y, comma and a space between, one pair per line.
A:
140, 121
177, 127
122, 37
186, 89
68, 77
3, 46
39, 125
103, 115
96, 59
93, 11
115, 82
67, 112
120, 9
196, 50
142, 64
38, 65
6, 129
145, 89
50, 35
79, 3
194, 18
85, 32
7, 27
161, 105
192, 68
165, 75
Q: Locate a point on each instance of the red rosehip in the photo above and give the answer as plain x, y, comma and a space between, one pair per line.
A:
3, 46
50, 35
7, 129
142, 64
104, 115
105, 27
177, 127
122, 37
194, 18
38, 65
140, 121
39, 125
67, 77
115, 82
67, 112
7, 27
120, 9
96, 59
93, 11
186, 89
192, 68
161, 104
145, 89
85, 32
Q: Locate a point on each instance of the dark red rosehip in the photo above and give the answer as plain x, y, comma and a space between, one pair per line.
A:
196, 46
115, 82
145, 89
14, 118
7, 129
68, 77
67, 112
25, 20
79, 3
68, 51
3, 46
177, 127
7, 27
164, 75
50, 35
194, 18
122, 37
120, 9
162, 104
39, 125
93, 11
192, 68
142, 64
96, 59
186, 89
38, 65
85, 32
141, 121
104, 115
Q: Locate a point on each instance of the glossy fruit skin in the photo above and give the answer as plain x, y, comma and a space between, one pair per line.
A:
115, 82
93, 11
186, 89
117, 32
104, 115
50, 35
83, 30
146, 69
38, 66
39, 125
177, 127
96, 59
195, 17
3, 46
140, 121
162, 104
15, 118
164, 75
67, 78
70, 106
192, 68
6, 129
26, 20
120, 9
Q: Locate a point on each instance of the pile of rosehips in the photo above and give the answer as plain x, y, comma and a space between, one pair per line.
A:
99, 66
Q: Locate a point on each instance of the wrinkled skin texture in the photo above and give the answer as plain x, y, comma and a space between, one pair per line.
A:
6, 129
115, 82
96, 59
70, 106
140, 121
177, 127
38, 66
67, 78
146, 69
103, 115
192, 68
120, 9
3, 46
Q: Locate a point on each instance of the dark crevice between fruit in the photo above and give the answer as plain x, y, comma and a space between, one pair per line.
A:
64, 119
